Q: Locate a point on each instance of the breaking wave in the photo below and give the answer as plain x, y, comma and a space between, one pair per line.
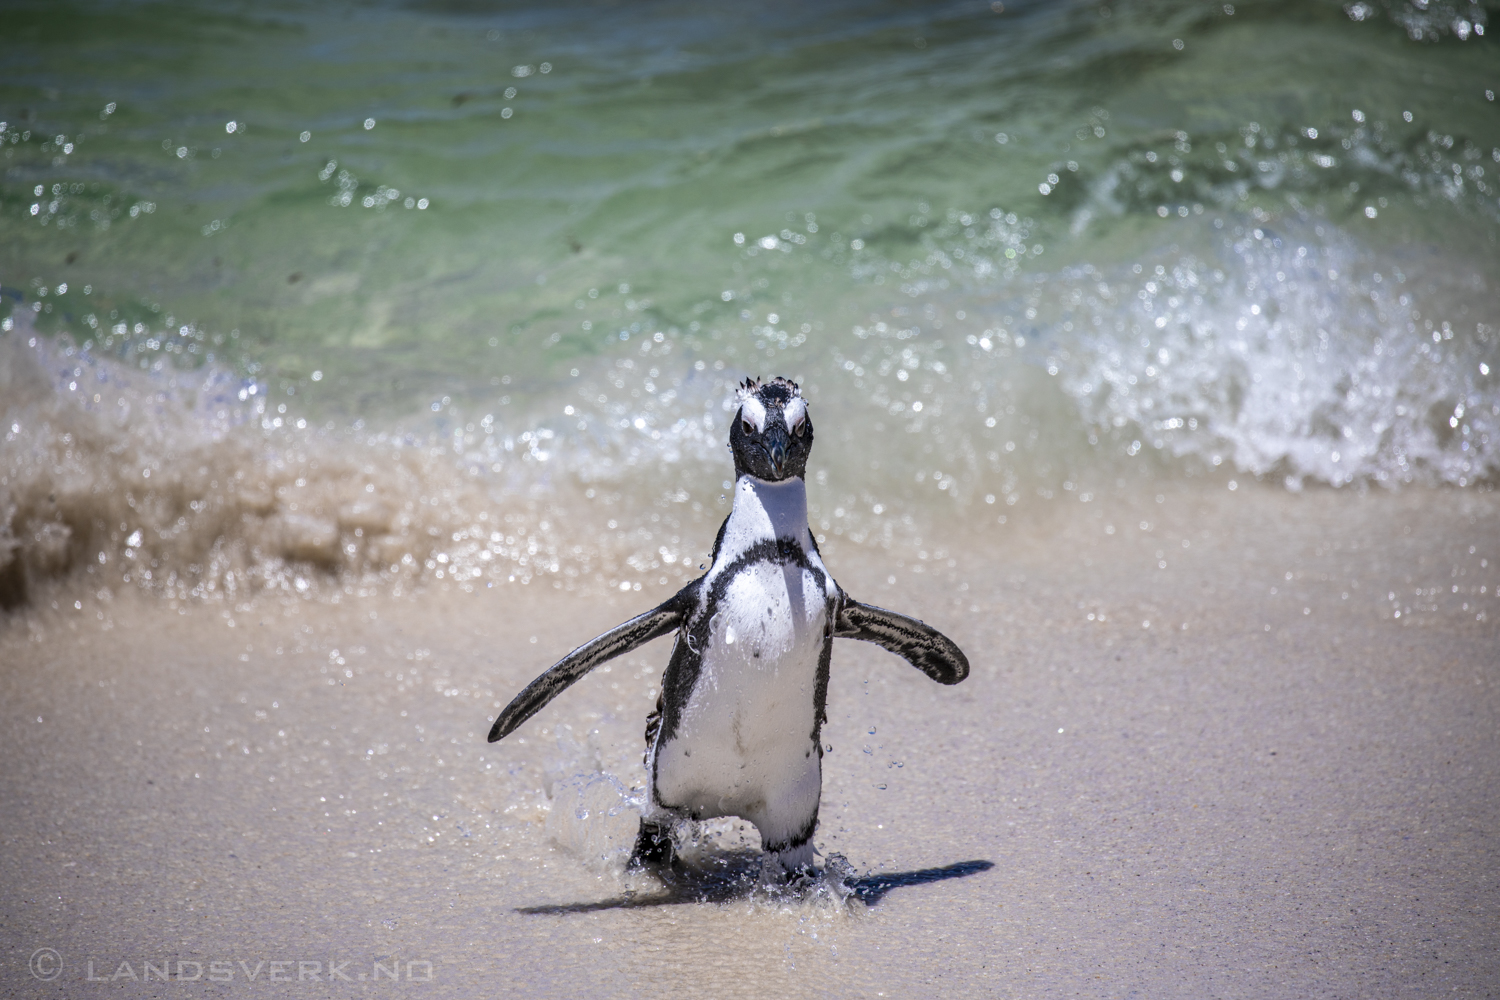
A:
1285, 351
195, 485
1296, 358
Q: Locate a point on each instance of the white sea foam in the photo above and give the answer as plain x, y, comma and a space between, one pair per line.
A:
1298, 358
1290, 352
192, 484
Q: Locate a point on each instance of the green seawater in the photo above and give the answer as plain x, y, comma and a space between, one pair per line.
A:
1020, 245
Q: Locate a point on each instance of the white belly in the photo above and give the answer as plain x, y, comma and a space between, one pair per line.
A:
744, 745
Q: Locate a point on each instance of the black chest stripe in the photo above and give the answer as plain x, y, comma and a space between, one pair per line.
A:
687, 657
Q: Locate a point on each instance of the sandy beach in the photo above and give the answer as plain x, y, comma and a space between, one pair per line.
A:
1274, 788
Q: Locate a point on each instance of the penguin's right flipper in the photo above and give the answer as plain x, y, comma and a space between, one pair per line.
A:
921, 645
621, 639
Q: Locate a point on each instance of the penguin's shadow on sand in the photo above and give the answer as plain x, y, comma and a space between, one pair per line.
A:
708, 886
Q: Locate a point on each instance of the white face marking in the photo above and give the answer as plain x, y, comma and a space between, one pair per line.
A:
795, 413
753, 412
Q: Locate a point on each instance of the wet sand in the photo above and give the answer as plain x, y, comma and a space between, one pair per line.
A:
1292, 795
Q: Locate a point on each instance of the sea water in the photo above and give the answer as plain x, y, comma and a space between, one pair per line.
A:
375, 288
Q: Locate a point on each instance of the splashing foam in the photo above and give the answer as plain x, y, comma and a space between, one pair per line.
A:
1303, 362
1283, 349
192, 485
596, 819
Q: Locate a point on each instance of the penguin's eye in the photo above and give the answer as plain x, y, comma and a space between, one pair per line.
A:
753, 416
795, 416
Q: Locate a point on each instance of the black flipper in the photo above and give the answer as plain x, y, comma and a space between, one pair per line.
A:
923, 646
621, 639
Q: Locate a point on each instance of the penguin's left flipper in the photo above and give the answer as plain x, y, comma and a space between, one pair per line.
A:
621, 639
921, 645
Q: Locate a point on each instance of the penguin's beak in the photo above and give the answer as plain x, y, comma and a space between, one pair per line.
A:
776, 448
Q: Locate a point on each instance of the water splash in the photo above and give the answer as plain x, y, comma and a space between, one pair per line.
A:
595, 818
197, 486
1294, 357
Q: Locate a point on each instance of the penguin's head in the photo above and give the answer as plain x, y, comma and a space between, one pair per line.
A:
772, 432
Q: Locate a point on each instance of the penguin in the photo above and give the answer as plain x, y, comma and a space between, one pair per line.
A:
736, 729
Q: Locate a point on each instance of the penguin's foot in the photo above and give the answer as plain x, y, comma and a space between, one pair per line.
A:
795, 860
778, 882
790, 869
653, 847
798, 880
